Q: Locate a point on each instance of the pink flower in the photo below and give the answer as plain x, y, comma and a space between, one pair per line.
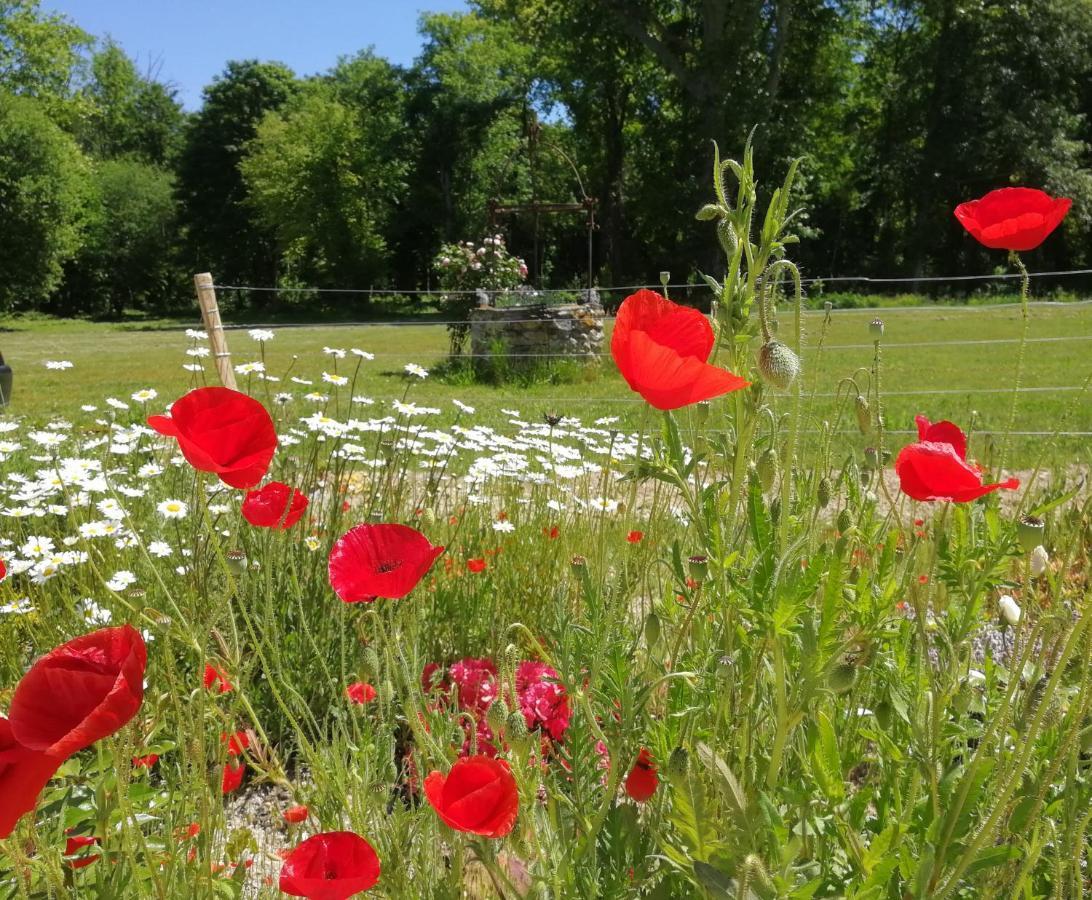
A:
543, 699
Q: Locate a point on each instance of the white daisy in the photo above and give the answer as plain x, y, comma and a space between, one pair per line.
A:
261, 335
172, 509
414, 369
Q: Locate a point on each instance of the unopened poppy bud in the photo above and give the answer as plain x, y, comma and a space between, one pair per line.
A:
708, 213
699, 567
678, 764
496, 717
1029, 531
883, 712
371, 659
822, 492
1009, 609
766, 467
875, 328
842, 677
778, 364
1038, 561
864, 414
515, 729
578, 563
236, 562
652, 630
376, 517
845, 520
428, 515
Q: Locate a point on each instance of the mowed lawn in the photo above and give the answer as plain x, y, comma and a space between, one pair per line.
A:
967, 355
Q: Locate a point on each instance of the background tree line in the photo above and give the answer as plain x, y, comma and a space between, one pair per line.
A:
111, 195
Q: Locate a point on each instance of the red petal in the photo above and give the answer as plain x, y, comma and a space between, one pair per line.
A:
384, 560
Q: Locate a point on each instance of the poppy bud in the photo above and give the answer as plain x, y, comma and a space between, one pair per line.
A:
511, 660
371, 659
842, 677
883, 713
652, 630
875, 328
778, 364
386, 691
766, 467
709, 212
515, 729
678, 764
1009, 609
845, 520
871, 458
1038, 561
236, 562
699, 567
822, 492
428, 515
497, 715
551, 418
864, 414
1029, 531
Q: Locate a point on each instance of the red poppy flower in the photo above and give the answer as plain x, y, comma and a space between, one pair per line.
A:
23, 774
330, 866
80, 692
1014, 218
296, 814
635, 537
542, 699
553, 533
145, 762
936, 469
371, 561
236, 743
642, 781
360, 692
214, 675
475, 565
232, 777
3, 570
661, 350
222, 431
478, 795
274, 506
73, 845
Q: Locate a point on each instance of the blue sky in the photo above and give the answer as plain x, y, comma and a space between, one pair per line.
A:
191, 40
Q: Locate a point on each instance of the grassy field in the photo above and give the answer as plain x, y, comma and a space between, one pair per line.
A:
966, 354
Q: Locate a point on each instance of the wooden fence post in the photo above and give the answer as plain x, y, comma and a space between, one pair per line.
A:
210, 316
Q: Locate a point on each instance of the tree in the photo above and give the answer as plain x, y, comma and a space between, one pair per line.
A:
222, 236
326, 172
127, 261
42, 199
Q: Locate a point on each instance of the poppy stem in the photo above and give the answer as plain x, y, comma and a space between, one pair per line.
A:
1025, 314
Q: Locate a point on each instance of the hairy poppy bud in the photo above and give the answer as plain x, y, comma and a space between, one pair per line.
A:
371, 659
1029, 531
842, 677
778, 364
864, 414
766, 467
496, 717
701, 410
875, 328
708, 213
678, 764
883, 712
845, 520
822, 492
428, 515
652, 630
386, 691
515, 729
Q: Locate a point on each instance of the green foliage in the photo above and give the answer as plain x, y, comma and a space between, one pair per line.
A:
43, 190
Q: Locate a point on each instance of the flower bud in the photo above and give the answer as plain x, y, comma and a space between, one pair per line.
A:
822, 492
678, 765
875, 328
698, 566
871, 458
1038, 561
883, 712
371, 660
778, 364
864, 414
842, 677
1009, 609
428, 515
827, 306
766, 467
845, 520
1029, 531
652, 630
496, 717
515, 729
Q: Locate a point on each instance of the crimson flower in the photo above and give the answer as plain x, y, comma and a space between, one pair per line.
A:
1013, 218
80, 692
330, 866
222, 431
635, 537
296, 814
23, 775
661, 350
478, 796
232, 777
3, 570
371, 561
274, 506
214, 675
475, 565
72, 847
642, 780
236, 743
542, 699
936, 468
360, 692
145, 762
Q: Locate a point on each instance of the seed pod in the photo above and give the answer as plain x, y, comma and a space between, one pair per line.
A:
778, 364
864, 414
678, 765
1029, 531
875, 328
766, 467
698, 566
236, 562
822, 492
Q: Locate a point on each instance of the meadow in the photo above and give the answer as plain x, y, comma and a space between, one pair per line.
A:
757, 609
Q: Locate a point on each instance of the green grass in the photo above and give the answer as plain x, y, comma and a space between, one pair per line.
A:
116, 360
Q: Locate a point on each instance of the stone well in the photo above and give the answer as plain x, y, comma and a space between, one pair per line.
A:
573, 331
